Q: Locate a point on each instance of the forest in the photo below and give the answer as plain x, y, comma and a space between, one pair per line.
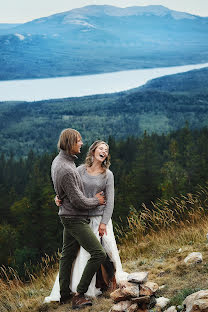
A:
161, 106
147, 169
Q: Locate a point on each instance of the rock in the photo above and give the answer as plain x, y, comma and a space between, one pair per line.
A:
139, 300
162, 302
132, 308
194, 257
122, 306
142, 310
197, 301
132, 291
152, 302
137, 277
123, 284
117, 295
171, 309
148, 289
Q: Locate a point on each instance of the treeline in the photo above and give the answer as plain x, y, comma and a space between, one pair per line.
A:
145, 168
156, 108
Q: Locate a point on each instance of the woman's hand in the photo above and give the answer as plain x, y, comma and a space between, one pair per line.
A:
102, 229
58, 201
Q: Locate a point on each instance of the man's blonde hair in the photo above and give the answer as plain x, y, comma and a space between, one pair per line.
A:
67, 139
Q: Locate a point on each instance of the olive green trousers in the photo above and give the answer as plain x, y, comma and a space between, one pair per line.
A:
77, 232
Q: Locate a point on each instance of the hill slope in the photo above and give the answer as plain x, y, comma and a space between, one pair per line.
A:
161, 253
189, 82
37, 125
98, 39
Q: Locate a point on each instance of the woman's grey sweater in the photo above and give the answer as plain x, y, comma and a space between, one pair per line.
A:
95, 184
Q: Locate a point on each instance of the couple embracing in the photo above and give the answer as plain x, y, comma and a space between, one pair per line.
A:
90, 258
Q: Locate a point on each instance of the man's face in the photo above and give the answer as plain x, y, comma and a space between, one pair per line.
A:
77, 146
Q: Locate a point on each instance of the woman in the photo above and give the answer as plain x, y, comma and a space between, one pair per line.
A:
96, 177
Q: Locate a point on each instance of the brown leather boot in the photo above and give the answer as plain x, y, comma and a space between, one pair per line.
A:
79, 301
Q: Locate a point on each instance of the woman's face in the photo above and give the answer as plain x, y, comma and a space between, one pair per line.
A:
101, 152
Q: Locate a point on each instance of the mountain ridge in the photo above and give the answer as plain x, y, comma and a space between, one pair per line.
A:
101, 10
89, 41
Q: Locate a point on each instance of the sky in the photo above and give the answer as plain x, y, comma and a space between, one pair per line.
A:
21, 11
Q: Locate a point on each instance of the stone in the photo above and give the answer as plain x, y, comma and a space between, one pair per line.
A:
123, 284
152, 302
193, 258
144, 309
121, 306
148, 288
197, 301
137, 277
140, 300
161, 302
117, 295
132, 308
171, 309
132, 291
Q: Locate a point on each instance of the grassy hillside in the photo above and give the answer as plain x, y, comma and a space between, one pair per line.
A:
177, 229
163, 105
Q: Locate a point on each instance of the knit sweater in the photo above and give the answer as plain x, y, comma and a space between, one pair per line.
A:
95, 184
69, 187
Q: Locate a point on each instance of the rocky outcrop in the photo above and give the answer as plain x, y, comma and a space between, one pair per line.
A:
121, 306
148, 289
135, 294
137, 277
171, 309
161, 302
197, 302
193, 258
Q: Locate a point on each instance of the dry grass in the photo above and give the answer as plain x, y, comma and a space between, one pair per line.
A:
19, 296
158, 240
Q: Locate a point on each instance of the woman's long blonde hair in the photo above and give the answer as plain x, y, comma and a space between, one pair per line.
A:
90, 154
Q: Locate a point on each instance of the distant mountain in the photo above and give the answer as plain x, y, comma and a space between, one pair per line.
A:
6, 26
96, 39
36, 125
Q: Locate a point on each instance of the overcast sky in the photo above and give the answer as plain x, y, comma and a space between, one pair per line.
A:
19, 11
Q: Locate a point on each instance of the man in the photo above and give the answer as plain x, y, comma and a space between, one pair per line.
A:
74, 216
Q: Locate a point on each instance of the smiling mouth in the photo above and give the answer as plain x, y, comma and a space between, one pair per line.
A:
102, 156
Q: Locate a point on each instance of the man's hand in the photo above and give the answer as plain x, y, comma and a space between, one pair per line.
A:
58, 201
102, 229
101, 198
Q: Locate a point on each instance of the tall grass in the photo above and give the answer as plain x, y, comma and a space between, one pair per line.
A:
165, 226
19, 296
181, 220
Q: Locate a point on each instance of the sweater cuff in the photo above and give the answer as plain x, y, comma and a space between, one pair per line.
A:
104, 221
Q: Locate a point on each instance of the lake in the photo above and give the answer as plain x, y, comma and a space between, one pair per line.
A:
75, 86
